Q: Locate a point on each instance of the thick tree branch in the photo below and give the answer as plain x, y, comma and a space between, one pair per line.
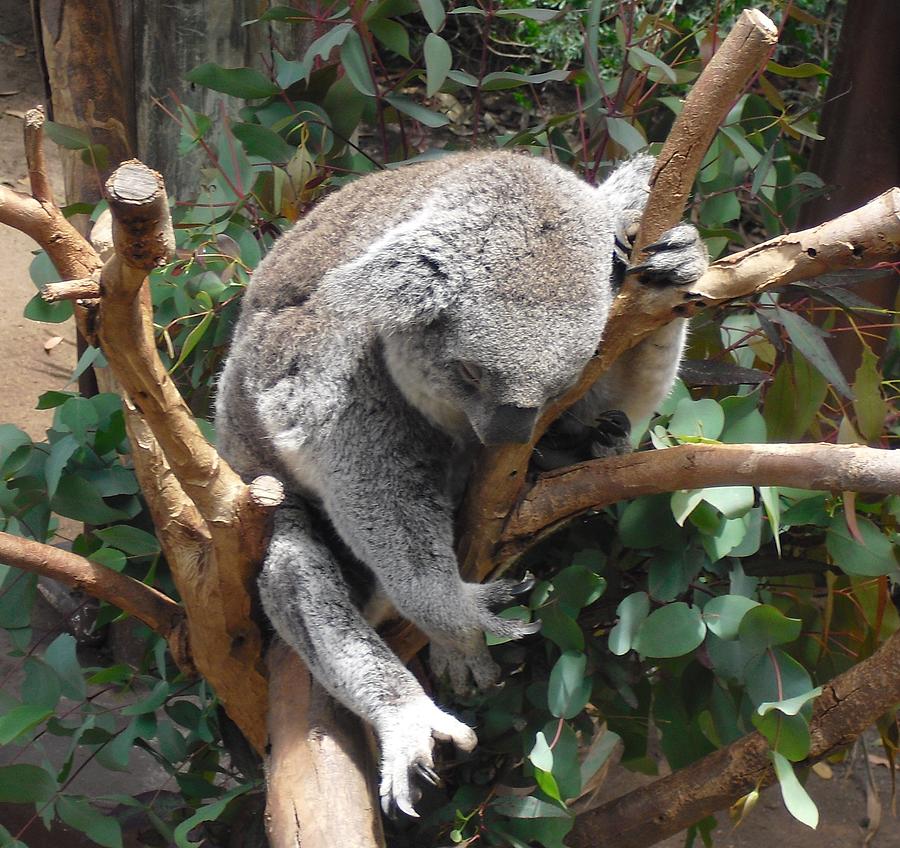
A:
159, 612
848, 705
561, 495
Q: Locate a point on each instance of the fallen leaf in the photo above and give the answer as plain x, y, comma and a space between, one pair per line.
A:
52, 342
823, 770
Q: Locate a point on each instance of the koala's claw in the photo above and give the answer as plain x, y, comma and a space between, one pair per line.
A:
611, 434
407, 738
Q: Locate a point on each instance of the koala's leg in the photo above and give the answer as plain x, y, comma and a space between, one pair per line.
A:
386, 498
306, 599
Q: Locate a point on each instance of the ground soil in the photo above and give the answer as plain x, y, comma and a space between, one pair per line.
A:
28, 368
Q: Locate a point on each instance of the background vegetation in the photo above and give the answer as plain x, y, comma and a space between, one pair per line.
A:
677, 622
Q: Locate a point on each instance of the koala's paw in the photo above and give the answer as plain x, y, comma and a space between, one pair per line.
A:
611, 434
679, 258
406, 736
464, 663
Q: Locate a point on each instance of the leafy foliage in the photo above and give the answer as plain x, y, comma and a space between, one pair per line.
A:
667, 617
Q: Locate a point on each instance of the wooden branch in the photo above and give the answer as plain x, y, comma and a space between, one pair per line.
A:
34, 156
849, 704
561, 495
158, 611
732, 67
86, 289
319, 775
499, 476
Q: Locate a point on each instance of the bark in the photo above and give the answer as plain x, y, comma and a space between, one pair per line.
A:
319, 773
848, 705
561, 495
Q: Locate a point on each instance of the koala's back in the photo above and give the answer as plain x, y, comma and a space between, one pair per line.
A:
280, 316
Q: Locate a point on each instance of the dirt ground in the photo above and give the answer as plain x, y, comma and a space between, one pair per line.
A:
32, 361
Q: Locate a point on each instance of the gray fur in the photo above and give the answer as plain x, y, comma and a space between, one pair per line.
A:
353, 378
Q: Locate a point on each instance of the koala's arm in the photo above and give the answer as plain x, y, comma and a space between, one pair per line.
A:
305, 597
641, 379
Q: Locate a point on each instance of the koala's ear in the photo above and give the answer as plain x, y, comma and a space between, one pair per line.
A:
401, 280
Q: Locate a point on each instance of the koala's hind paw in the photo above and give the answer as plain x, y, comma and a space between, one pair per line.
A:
679, 258
406, 736
611, 434
463, 666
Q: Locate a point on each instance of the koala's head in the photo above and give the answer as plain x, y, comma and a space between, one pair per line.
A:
497, 361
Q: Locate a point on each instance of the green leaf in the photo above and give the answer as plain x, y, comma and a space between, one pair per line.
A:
193, 339
131, 540
41, 687
60, 656
433, 12
392, 35
723, 615
24, 784
261, 141
560, 628
670, 631
356, 64
506, 79
809, 340
21, 719
77, 415
548, 785
600, 751
671, 573
417, 112
648, 523
37, 309
152, 702
738, 138
528, 808
625, 134
874, 557
789, 735
731, 501
245, 83
542, 15
541, 756
569, 688
764, 626
870, 406
100, 827
796, 799
639, 59
632, 611
438, 61
806, 69
210, 812
697, 419
790, 706
60, 454
77, 498
577, 587
71, 138
775, 675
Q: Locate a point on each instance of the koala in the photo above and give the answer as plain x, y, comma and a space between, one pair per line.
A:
412, 317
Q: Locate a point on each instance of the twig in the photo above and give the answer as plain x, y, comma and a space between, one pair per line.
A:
159, 612
34, 156
86, 289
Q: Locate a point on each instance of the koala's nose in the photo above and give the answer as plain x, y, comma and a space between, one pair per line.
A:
510, 424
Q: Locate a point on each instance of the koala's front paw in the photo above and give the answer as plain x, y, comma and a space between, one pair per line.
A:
406, 734
611, 434
463, 654
679, 258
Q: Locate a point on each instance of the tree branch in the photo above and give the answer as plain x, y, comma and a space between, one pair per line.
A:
158, 611
849, 704
561, 495
86, 289
34, 156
